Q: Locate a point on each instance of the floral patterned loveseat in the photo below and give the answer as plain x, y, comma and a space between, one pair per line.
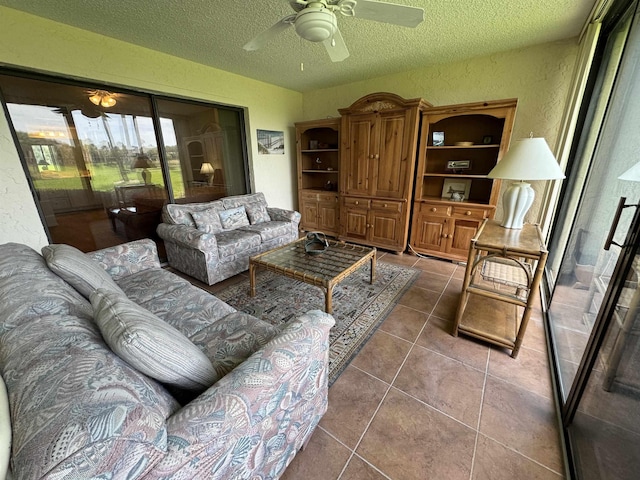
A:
213, 241
232, 397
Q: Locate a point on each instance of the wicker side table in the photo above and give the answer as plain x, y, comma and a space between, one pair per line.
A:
504, 269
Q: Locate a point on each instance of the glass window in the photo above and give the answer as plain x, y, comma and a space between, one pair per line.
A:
203, 145
93, 159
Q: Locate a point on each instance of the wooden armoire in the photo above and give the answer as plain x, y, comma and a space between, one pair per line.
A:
378, 142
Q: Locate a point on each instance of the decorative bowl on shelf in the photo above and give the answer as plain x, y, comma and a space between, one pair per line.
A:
463, 144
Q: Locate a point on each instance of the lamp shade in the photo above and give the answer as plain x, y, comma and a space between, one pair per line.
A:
528, 159
206, 168
632, 175
142, 161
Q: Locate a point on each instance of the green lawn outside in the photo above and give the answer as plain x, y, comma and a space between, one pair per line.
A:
103, 178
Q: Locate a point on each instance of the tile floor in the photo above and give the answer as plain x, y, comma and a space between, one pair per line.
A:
417, 403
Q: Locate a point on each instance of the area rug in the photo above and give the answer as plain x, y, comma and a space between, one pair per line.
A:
358, 307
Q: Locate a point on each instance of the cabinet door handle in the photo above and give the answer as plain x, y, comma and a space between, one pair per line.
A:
371, 156
377, 156
356, 203
434, 209
468, 212
385, 205
445, 235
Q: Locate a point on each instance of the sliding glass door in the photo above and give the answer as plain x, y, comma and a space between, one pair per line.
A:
593, 312
103, 163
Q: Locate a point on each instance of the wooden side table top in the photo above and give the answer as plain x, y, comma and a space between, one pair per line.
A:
528, 240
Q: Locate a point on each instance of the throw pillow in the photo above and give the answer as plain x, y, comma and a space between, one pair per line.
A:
234, 218
207, 221
78, 269
149, 344
257, 213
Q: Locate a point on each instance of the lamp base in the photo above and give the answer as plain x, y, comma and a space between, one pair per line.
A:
516, 201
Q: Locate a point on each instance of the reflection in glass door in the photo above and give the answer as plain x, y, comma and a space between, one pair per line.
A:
93, 159
593, 312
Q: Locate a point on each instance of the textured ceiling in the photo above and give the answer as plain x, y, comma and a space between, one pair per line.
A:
212, 32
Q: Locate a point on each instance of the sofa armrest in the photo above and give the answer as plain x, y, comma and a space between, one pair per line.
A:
257, 416
128, 258
188, 237
284, 215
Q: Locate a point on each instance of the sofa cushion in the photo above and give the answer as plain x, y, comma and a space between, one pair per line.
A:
78, 269
232, 339
237, 200
234, 218
75, 406
149, 344
257, 213
233, 242
180, 214
148, 285
269, 230
207, 221
188, 309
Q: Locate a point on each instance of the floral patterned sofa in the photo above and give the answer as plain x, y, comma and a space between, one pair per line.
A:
213, 241
229, 397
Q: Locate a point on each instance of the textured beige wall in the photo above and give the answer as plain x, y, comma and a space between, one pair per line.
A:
39, 44
539, 77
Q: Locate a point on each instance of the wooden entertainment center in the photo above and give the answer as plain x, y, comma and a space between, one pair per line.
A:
357, 173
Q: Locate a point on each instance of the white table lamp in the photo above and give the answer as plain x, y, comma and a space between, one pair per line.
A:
207, 169
527, 159
143, 162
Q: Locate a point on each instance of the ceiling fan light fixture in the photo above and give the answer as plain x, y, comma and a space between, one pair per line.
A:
102, 98
316, 25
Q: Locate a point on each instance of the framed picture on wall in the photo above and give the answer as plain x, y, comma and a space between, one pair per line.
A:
270, 142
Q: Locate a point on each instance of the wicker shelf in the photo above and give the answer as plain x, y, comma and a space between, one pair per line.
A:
503, 274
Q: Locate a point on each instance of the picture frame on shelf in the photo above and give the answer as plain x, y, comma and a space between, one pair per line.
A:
456, 189
438, 139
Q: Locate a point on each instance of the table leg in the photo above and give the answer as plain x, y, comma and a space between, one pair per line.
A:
373, 268
252, 279
328, 299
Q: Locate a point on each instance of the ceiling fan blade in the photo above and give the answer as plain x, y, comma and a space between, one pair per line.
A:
336, 48
263, 38
402, 15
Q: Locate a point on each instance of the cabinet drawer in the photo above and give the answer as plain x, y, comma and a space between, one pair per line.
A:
387, 206
327, 197
319, 196
310, 196
470, 212
356, 202
438, 209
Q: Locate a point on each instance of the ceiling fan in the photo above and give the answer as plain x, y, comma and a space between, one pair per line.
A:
316, 21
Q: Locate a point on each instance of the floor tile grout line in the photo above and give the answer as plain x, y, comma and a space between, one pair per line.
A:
366, 429
511, 449
371, 465
484, 387
452, 358
520, 387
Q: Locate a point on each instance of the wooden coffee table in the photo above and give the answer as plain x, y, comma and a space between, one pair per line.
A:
324, 270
